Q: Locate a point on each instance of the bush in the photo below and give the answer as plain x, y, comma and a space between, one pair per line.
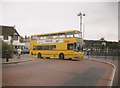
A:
6, 47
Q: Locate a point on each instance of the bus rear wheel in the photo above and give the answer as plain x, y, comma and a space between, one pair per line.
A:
61, 56
70, 58
39, 55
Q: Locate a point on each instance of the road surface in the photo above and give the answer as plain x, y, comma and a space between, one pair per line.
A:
115, 61
52, 72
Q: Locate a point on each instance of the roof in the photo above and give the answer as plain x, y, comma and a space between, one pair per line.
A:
57, 32
8, 30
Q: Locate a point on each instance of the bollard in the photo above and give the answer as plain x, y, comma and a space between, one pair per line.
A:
113, 56
7, 56
97, 55
88, 53
105, 55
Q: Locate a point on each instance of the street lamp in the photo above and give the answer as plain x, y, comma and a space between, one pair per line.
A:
80, 17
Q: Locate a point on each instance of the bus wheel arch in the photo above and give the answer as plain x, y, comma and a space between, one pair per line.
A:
39, 55
61, 56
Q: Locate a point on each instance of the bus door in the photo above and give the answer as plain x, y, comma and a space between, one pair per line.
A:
78, 47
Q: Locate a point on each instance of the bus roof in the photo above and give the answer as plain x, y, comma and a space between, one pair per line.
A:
56, 32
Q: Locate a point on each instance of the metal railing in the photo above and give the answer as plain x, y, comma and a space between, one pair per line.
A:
110, 54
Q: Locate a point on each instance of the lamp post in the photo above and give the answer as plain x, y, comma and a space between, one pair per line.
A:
80, 17
13, 39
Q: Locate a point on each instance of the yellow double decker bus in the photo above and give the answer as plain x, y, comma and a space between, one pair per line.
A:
65, 44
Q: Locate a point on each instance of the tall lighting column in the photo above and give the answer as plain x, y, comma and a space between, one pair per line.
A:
80, 17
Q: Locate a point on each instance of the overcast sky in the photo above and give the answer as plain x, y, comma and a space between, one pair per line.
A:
101, 18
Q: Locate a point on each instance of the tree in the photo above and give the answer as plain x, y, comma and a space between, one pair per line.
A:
5, 47
25, 36
102, 39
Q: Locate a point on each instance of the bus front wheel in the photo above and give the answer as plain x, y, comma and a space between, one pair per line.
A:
61, 56
39, 55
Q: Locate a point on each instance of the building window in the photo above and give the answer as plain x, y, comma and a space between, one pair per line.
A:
5, 37
15, 47
15, 37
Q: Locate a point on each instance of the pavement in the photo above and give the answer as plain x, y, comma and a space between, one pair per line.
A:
15, 59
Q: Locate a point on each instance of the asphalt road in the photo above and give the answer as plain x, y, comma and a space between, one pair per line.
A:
112, 60
52, 72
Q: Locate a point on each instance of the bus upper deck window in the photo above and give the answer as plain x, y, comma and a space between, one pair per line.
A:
41, 37
33, 37
49, 36
61, 35
44, 37
39, 47
53, 36
69, 34
78, 34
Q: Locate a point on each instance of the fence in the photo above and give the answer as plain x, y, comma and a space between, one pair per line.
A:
109, 54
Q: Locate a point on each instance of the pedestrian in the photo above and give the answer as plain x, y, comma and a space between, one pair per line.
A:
19, 52
88, 53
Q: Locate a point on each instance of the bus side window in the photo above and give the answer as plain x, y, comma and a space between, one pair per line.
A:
46, 47
34, 47
43, 47
51, 47
75, 45
70, 46
61, 35
39, 47
54, 47
81, 47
